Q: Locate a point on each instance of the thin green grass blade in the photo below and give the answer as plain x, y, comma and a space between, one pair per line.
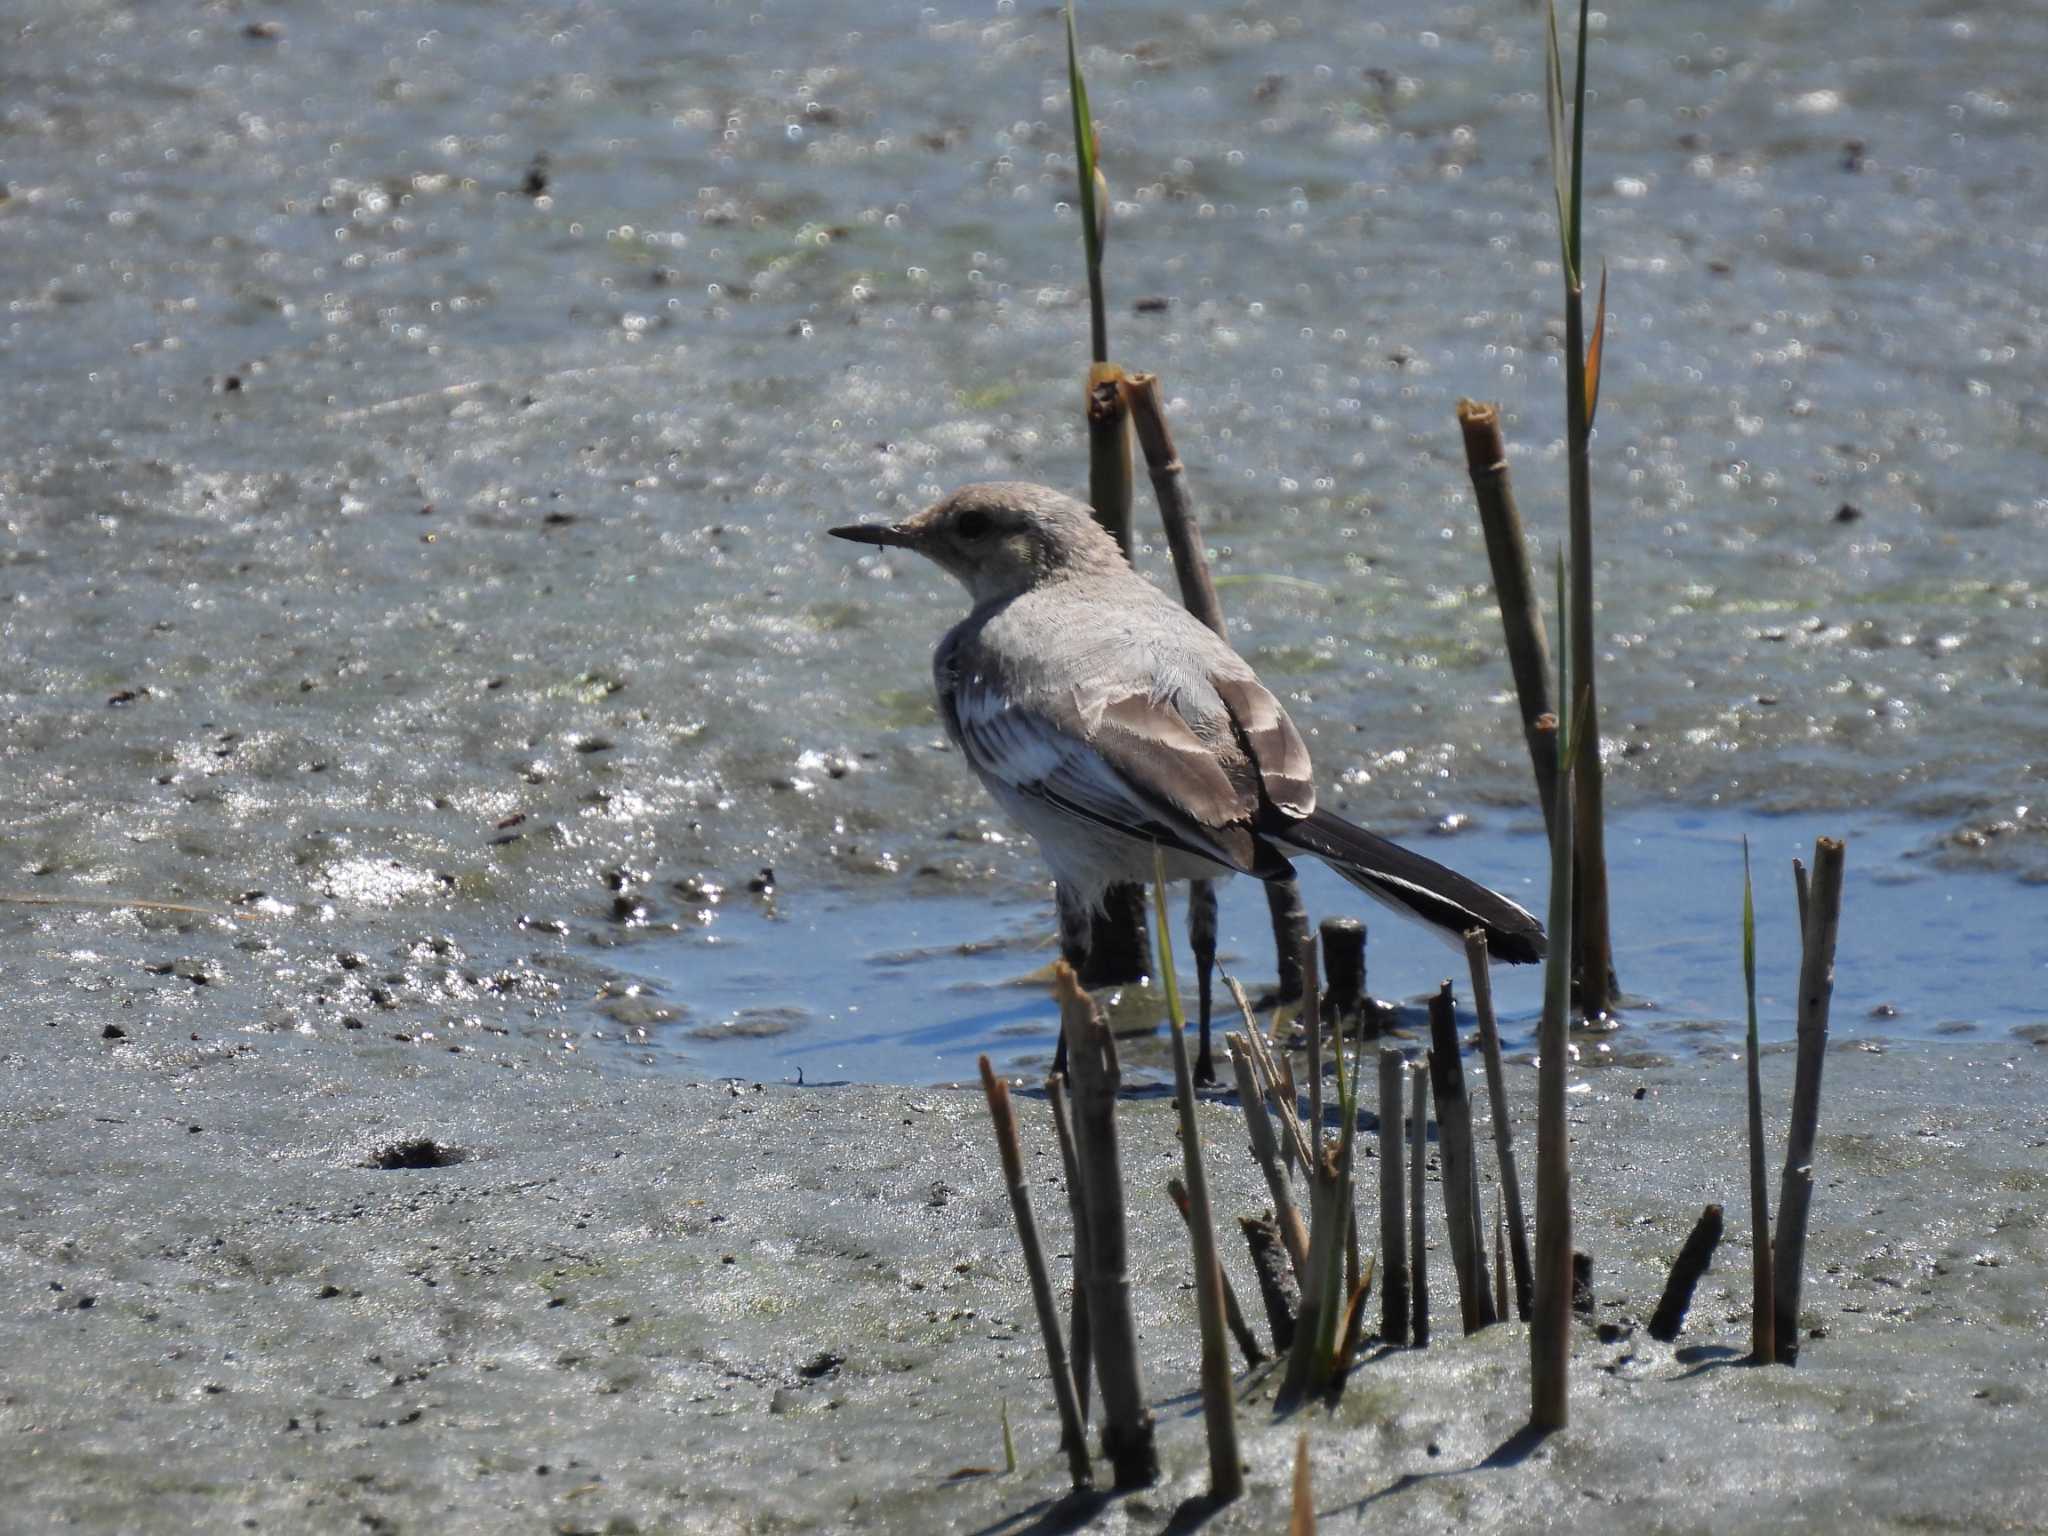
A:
1084, 150
1553, 121
1579, 144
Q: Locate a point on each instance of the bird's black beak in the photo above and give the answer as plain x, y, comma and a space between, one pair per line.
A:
894, 535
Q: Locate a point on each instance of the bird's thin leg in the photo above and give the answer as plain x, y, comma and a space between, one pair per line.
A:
1202, 940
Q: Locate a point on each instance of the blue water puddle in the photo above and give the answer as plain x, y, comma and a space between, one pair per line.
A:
844, 989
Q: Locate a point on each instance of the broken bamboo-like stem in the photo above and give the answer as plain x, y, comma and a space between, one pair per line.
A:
1010, 1148
1127, 1430
1795, 1191
1763, 1333
1393, 1201
1266, 1153
1456, 1164
1695, 1257
1503, 1123
1418, 1163
1514, 589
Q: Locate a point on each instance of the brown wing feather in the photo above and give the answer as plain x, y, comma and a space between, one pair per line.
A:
1277, 749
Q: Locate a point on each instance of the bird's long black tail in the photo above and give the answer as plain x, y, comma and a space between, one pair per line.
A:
1420, 887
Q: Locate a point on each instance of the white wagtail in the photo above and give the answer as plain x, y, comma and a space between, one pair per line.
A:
1107, 721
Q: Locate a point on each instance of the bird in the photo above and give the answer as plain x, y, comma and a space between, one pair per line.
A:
1110, 723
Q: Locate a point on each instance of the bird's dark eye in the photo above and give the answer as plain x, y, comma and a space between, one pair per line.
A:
973, 524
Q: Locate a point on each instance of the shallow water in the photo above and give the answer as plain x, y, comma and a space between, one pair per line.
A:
917, 995
413, 542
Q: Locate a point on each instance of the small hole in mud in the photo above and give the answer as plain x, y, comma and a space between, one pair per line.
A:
418, 1152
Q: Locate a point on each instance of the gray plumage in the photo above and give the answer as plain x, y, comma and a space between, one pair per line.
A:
1107, 721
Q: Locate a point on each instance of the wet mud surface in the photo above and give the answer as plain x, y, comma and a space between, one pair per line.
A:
279, 1283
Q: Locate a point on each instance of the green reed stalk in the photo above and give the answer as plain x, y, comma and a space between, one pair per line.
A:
1598, 988
1219, 1402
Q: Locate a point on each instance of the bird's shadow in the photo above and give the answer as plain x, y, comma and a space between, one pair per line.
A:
1073, 1511
1511, 1452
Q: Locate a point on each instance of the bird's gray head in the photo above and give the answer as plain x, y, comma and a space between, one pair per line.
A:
1001, 538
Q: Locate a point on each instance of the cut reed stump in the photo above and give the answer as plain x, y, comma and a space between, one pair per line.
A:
1693, 1261
1127, 1431
1009, 1146
1503, 1124
1418, 1250
1279, 1290
1514, 589
1393, 1197
1795, 1191
1457, 1165
1344, 998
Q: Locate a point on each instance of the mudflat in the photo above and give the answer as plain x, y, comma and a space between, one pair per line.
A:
344, 1281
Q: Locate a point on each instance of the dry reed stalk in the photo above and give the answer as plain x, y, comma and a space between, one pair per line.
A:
1503, 1125
1418, 1161
1127, 1434
1795, 1189
1312, 1016
1500, 1257
1762, 1322
1301, 1519
1550, 1288
1457, 1164
1009, 1146
1800, 889
1521, 612
1233, 1313
1393, 1196
1266, 1153
1219, 1402
1070, 1161
1281, 1101
1695, 1257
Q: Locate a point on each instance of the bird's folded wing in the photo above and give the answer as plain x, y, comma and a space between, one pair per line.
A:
1273, 743
1140, 770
